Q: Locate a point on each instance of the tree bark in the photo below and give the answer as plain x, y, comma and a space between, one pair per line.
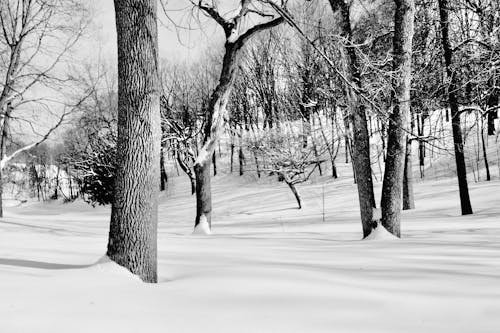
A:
360, 141
455, 113
398, 120
134, 212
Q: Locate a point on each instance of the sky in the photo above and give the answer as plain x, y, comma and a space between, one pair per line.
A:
175, 44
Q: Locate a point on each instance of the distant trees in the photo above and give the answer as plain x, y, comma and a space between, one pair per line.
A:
134, 213
35, 38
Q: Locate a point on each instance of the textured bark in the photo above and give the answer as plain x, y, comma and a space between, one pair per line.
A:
133, 229
455, 113
360, 148
398, 120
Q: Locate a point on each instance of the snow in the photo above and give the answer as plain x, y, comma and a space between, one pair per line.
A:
268, 268
380, 233
202, 228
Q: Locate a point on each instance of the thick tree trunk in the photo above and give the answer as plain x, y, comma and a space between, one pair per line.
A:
398, 120
455, 113
133, 229
360, 141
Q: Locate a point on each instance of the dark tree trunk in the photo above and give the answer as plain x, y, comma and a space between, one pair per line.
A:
134, 212
492, 103
256, 164
232, 155
455, 113
188, 172
485, 155
214, 163
241, 156
408, 195
361, 141
398, 120
163, 172
295, 194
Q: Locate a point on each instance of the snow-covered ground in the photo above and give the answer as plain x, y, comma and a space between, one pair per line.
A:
267, 267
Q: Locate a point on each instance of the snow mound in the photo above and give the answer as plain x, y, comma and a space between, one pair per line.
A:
107, 266
380, 233
202, 228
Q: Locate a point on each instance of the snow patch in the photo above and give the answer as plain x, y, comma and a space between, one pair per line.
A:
380, 233
108, 266
202, 228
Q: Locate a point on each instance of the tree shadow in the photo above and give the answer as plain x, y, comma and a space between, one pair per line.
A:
38, 264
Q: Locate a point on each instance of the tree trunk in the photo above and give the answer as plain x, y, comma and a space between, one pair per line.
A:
214, 163
203, 194
188, 172
455, 113
241, 156
485, 155
134, 212
257, 167
398, 120
163, 172
295, 193
360, 139
217, 105
408, 195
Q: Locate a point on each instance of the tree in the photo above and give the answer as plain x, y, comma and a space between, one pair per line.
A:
236, 35
287, 157
134, 212
357, 113
444, 8
398, 120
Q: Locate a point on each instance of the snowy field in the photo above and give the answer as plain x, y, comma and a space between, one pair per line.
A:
268, 267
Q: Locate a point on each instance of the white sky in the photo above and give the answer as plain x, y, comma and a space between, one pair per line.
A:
174, 44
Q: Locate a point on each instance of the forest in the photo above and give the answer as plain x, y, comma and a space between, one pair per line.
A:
260, 165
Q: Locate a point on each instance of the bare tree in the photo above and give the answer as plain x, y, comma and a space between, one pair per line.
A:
134, 213
361, 141
444, 9
398, 120
236, 35
35, 36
